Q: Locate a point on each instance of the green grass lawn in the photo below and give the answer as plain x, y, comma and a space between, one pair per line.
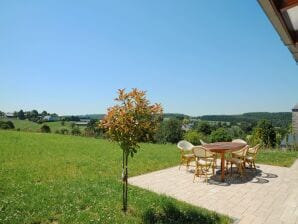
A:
277, 157
26, 125
47, 178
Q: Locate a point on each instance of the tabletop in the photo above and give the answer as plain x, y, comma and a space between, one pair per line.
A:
222, 147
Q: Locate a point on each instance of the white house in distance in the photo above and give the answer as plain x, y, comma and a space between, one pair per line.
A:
10, 115
50, 118
82, 122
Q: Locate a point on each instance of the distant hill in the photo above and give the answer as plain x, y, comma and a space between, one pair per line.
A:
281, 119
100, 116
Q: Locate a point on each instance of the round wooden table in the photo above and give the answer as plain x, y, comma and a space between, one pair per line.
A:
222, 148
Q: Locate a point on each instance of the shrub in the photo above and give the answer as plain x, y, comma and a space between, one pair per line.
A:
75, 131
10, 124
220, 135
265, 131
6, 125
45, 129
169, 131
64, 131
194, 137
204, 127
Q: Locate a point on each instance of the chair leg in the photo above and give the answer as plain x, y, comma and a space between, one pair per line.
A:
231, 169
181, 163
254, 165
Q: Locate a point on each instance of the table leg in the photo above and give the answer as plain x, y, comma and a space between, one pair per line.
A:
222, 167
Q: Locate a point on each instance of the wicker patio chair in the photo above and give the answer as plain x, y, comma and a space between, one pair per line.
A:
205, 162
238, 154
239, 141
239, 161
202, 142
250, 158
186, 154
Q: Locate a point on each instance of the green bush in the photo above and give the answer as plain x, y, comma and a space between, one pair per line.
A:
169, 131
6, 125
75, 131
64, 131
204, 127
220, 135
45, 129
194, 137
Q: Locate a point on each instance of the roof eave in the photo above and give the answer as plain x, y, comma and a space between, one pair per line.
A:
279, 25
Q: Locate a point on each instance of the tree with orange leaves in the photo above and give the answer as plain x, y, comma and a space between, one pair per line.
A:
131, 121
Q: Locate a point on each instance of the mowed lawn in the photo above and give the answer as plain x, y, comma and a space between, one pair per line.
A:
48, 178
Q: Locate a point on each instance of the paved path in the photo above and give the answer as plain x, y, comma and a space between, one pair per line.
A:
268, 196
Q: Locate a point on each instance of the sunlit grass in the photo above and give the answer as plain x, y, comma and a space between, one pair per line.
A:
277, 157
47, 178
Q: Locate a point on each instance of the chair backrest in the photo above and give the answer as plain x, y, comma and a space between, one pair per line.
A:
202, 142
254, 150
239, 141
201, 152
242, 152
185, 145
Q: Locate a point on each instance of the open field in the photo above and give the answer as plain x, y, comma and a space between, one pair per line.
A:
47, 178
26, 125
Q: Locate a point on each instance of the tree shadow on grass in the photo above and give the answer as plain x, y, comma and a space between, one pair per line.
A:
170, 213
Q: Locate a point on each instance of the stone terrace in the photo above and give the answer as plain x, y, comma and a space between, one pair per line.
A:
269, 195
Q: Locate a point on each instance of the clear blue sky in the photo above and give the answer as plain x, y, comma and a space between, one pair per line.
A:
193, 57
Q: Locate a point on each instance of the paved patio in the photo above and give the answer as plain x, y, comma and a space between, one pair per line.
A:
269, 195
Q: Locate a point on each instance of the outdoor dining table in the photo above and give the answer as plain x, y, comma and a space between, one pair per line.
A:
222, 148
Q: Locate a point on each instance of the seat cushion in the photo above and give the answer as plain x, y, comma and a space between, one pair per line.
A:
204, 161
188, 156
235, 160
250, 158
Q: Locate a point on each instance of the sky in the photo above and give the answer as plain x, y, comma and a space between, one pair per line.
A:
193, 57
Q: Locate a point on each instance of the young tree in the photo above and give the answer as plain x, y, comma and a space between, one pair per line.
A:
21, 115
34, 113
44, 113
129, 122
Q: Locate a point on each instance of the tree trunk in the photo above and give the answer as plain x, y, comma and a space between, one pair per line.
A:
124, 179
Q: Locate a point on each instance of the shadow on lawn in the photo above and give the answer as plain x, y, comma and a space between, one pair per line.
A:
170, 213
